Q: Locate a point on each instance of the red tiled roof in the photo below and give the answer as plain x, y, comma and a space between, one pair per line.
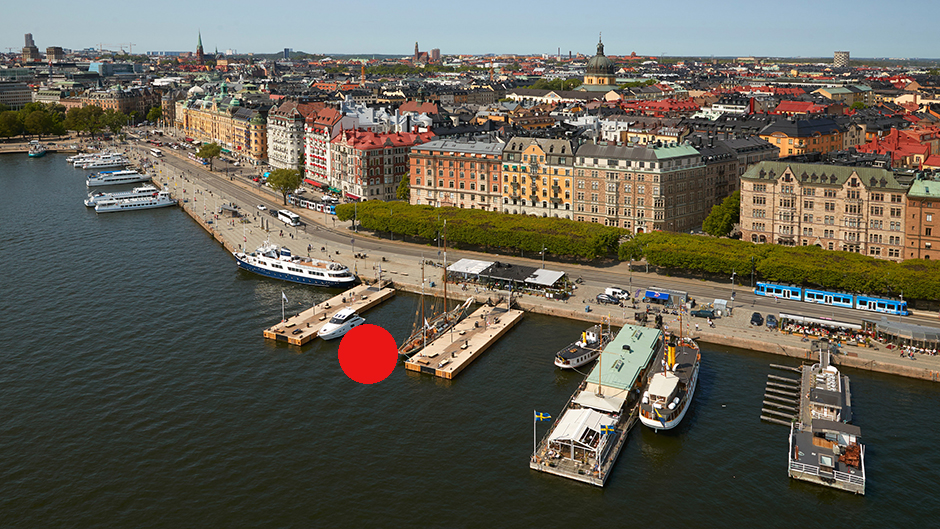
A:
366, 140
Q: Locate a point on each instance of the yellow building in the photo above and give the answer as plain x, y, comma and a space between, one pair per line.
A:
536, 177
222, 119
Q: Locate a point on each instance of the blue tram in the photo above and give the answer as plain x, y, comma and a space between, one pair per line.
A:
835, 299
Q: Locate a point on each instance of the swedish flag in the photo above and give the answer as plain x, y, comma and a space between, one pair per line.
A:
607, 428
659, 416
542, 416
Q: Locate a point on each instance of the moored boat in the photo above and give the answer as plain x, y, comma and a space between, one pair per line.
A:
277, 262
342, 322
106, 198
160, 199
668, 393
111, 178
585, 350
36, 150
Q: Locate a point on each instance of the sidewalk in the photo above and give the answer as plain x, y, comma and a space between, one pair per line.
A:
405, 272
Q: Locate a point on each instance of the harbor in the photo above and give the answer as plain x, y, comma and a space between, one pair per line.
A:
303, 327
451, 352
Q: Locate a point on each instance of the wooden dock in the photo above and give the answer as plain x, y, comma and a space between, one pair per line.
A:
303, 327
454, 350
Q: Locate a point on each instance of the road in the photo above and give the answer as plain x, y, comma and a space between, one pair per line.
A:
239, 187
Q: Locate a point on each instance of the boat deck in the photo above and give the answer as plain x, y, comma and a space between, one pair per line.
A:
303, 327
451, 352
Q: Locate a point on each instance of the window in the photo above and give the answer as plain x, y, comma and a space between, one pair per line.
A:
807, 218
760, 200
895, 212
830, 206
929, 217
807, 204
928, 232
759, 213
760, 188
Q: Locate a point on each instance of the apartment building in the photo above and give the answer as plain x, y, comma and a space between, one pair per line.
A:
922, 231
462, 173
537, 177
286, 133
369, 166
853, 209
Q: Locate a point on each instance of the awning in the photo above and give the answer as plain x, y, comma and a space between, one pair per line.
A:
313, 182
352, 196
226, 151
656, 295
581, 427
333, 190
469, 266
589, 399
545, 278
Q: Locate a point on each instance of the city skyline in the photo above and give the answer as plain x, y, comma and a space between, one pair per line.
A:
690, 29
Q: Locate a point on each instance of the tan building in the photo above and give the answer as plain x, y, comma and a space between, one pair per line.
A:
538, 177
222, 119
853, 209
126, 100
641, 188
462, 174
923, 219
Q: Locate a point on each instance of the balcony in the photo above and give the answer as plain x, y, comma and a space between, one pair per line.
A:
556, 200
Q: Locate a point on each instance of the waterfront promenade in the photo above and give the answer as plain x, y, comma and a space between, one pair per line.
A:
202, 192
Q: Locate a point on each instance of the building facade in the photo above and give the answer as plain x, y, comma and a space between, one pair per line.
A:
840, 59
15, 94
801, 136
369, 166
923, 219
286, 133
538, 177
853, 209
319, 130
222, 119
642, 188
462, 174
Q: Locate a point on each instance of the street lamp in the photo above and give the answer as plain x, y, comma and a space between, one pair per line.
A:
543, 256
733, 275
899, 308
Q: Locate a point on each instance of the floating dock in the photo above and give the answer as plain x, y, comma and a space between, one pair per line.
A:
454, 350
304, 327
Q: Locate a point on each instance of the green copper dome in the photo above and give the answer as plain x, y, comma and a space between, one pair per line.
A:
600, 64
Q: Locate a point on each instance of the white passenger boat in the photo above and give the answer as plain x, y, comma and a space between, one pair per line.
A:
585, 350
161, 199
342, 322
107, 198
112, 178
105, 163
271, 261
669, 391
88, 157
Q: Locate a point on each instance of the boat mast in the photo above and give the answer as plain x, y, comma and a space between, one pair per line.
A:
424, 330
445, 270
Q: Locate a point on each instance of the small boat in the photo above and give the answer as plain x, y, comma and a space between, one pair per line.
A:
109, 198
342, 322
104, 162
36, 150
161, 199
668, 393
585, 350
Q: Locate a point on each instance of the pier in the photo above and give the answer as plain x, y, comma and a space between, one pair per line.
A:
451, 352
300, 329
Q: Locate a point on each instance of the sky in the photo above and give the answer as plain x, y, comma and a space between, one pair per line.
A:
799, 28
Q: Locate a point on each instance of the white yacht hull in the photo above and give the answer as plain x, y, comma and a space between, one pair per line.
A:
686, 403
339, 331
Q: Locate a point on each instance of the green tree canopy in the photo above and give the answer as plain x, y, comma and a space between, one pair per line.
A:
404, 189
285, 181
155, 114
724, 216
39, 122
10, 124
84, 119
209, 151
557, 84
113, 120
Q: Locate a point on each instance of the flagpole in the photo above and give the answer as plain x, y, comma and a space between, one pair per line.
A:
282, 306
534, 447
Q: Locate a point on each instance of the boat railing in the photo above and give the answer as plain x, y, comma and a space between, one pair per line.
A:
803, 468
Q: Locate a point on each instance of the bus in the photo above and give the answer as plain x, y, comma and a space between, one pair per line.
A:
288, 217
157, 153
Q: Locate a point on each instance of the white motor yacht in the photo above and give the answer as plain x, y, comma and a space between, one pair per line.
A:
341, 323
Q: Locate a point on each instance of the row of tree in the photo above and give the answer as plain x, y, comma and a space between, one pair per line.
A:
556, 84
805, 266
486, 229
44, 119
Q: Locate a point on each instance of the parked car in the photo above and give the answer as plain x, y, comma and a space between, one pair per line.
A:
771, 320
262, 207
617, 293
604, 298
703, 313
757, 319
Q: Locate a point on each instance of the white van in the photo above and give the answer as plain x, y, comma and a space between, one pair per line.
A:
617, 293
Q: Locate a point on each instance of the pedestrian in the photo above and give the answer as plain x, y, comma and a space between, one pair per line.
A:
696, 327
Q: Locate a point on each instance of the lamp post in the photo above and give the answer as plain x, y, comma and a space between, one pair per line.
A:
543, 257
733, 275
899, 311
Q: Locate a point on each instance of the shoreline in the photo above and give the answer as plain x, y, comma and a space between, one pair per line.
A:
863, 358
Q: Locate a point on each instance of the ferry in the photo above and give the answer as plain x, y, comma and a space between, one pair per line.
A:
585, 350
669, 391
161, 199
111, 178
824, 445
37, 150
105, 163
89, 157
342, 322
106, 198
271, 261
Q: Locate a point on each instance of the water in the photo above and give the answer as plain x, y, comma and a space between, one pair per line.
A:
136, 390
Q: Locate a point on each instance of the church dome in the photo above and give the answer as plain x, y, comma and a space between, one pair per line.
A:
600, 64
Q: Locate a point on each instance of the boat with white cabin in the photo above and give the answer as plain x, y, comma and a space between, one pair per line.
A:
104, 162
112, 178
669, 390
342, 322
160, 199
585, 350
107, 198
277, 262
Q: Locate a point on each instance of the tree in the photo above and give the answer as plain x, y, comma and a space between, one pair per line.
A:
84, 119
38, 122
155, 114
723, 217
113, 120
285, 181
209, 151
10, 124
404, 189
858, 105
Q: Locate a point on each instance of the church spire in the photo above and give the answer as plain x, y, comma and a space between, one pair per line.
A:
199, 45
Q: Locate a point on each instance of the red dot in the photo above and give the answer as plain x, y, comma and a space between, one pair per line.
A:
368, 354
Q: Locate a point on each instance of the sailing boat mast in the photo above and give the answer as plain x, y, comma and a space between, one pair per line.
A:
422, 323
445, 269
